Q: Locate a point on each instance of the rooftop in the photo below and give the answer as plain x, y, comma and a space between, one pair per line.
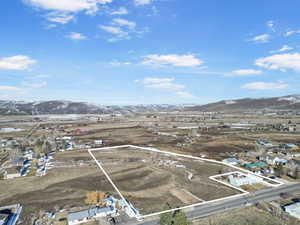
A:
89, 213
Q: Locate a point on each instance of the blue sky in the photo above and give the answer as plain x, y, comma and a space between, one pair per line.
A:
148, 51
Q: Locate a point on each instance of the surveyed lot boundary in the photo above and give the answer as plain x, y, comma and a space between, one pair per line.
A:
271, 183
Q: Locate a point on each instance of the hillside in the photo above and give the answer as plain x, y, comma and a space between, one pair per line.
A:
291, 102
69, 107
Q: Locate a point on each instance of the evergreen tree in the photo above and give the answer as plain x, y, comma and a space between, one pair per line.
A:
180, 219
166, 218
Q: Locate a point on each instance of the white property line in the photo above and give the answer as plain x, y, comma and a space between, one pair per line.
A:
239, 173
227, 184
112, 183
180, 155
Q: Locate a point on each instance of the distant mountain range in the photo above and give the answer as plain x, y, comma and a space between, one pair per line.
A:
291, 102
69, 107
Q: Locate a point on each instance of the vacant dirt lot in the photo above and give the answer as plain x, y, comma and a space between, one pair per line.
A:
64, 187
151, 180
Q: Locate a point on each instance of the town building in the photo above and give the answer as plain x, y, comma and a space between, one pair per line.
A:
9, 215
12, 172
232, 161
88, 215
293, 209
243, 180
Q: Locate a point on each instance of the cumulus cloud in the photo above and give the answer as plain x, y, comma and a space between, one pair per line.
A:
291, 32
123, 22
184, 94
265, 86
162, 83
76, 36
118, 63
142, 2
119, 33
18, 62
120, 11
5, 88
280, 62
284, 48
246, 72
166, 84
263, 38
35, 84
122, 29
62, 11
59, 17
271, 25
188, 60
67, 5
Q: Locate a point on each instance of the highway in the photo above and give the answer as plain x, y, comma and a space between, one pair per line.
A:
209, 209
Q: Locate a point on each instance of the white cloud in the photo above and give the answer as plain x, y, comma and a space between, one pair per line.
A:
265, 86
280, 62
118, 63
246, 72
10, 88
284, 48
142, 2
62, 11
162, 83
68, 5
59, 17
18, 62
188, 60
35, 84
122, 29
117, 31
39, 76
123, 22
112, 29
76, 36
271, 25
120, 11
165, 84
292, 32
263, 38
184, 94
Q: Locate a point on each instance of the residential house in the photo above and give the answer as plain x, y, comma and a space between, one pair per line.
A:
123, 205
12, 172
243, 180
232, 161
88, 215
9, 215
98, 142
293, 209
271, 160
256, 165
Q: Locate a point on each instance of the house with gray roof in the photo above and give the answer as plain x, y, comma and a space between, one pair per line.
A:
88, 215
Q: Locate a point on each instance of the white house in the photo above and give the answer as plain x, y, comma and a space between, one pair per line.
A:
293, 209
232, 161
12, 172
98, 142
88, 215
244, 180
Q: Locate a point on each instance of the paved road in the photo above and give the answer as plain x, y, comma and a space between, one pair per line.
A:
222, 206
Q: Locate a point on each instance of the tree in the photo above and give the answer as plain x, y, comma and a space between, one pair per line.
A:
180, 219
166, 218
279, 170
94, 197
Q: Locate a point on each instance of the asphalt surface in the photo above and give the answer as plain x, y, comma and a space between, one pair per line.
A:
209, 209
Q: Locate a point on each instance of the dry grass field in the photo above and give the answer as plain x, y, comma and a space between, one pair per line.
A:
151, 180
